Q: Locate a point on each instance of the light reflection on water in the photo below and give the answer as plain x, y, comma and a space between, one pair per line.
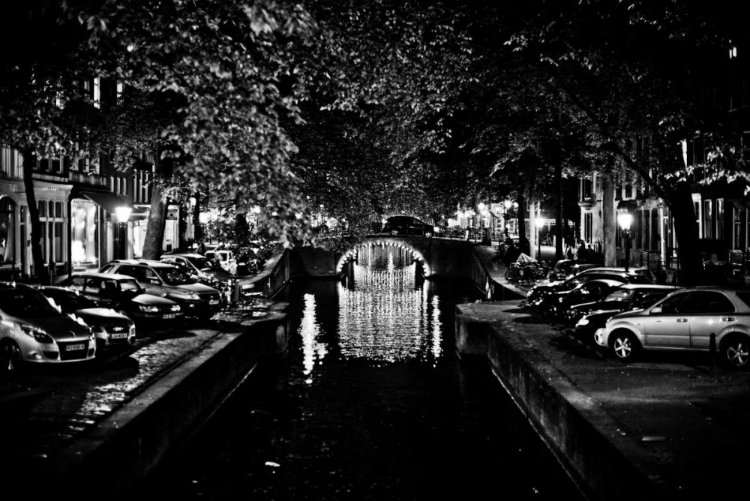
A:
384, 315
370, 403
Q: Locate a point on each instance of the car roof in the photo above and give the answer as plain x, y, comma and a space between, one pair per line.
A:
654, 287
183, 254
14, 285
142, 262
96, 274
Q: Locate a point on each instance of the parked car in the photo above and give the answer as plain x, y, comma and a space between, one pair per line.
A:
33, 331
202, 267
589, 317
407, 225
646, 272
554, 305
621, 298
123, 294
110, 327
170, 281
685, 320
591, 274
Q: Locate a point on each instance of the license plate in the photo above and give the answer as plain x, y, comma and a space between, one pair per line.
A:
118, 336
213, 301
74, 347
169, 315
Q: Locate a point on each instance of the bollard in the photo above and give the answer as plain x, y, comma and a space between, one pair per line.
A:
235, 291
712, 353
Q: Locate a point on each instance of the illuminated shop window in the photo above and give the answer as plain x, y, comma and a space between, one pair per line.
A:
7, 231
84, 232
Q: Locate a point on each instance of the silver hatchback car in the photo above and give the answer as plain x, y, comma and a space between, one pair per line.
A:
685, 320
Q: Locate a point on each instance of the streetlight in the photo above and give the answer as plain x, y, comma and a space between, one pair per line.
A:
123, 214
539, 225
625, 219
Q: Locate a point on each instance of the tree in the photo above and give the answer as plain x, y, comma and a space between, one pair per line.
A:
593, 52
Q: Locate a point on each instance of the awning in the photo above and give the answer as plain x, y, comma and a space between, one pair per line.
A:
629, 205
109, 201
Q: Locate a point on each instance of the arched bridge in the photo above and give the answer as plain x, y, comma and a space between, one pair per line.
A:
436, 256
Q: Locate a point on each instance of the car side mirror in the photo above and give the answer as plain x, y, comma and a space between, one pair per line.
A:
657, 310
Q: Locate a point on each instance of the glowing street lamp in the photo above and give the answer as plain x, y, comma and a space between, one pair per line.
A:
625, 219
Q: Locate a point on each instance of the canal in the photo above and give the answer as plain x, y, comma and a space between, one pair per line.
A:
370, 403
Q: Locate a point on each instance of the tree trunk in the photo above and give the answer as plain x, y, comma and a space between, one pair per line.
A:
558, 212
609, 222
686, 231
157, 217
521, 218
197, 228
40, 269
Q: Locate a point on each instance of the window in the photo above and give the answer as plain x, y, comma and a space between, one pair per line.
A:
720, 219
7, 231
588, 226
51, 231
708, 221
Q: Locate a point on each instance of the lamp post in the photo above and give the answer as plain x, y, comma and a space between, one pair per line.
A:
539, 225
625, 219
122, 214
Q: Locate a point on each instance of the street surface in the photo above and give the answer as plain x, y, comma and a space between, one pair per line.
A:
49, 404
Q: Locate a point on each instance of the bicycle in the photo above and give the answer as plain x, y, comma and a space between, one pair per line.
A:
526, 272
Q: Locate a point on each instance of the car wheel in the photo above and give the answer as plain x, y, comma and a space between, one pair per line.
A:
624, 346
735, 352
10, 357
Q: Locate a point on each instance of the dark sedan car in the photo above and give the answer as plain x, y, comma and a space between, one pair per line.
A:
548, 288
407, 225
621, 299
110, 327
123, 293
554, 304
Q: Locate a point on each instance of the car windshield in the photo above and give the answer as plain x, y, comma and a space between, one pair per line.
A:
569, 285
175, 276
200, 262
640, 279
129, 285
70, 301
619, 295
25, 304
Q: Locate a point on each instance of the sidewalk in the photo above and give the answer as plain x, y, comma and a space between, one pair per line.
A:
667, 426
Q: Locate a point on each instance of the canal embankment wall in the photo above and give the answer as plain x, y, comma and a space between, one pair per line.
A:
586, 441
127, 444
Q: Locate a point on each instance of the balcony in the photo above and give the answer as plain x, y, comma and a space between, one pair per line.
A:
87, 179
587, 203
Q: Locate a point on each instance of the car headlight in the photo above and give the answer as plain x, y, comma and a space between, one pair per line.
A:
582, 322
40, 335
186, 295
149, 309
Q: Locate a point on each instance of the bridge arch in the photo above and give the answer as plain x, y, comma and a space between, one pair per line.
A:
357, 252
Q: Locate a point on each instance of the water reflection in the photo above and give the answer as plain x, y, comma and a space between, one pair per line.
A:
313, 350
384, 315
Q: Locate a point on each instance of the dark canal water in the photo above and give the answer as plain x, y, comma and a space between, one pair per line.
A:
370, 403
